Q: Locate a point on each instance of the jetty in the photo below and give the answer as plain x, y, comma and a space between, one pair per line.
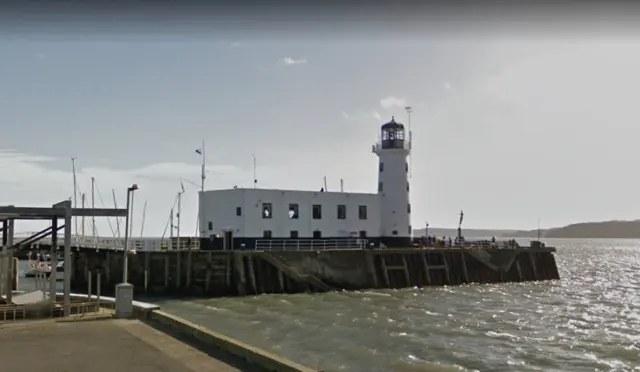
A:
89, 329
150, 339
239, 273
289, 266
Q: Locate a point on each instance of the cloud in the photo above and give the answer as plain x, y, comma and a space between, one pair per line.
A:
345, 115
447, 86
377, 116
290, 61
391, 102
36, 180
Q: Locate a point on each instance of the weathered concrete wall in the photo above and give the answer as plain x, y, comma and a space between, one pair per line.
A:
210, 274
339, 269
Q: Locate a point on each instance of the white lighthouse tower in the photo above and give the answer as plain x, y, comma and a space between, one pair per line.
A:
393, 184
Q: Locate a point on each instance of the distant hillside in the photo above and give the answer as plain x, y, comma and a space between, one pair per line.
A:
589, 230
469, 233
585, 230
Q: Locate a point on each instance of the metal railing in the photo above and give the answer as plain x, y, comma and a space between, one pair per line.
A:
78, 309
309, 244
377, 147
135, 244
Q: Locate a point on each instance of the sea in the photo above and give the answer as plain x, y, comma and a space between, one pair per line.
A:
589, 320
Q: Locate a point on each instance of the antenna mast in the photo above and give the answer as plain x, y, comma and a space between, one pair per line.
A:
409, 110
255, 179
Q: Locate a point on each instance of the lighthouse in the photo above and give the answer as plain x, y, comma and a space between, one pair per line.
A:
393, 184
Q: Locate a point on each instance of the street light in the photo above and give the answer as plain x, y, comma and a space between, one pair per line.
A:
125, 265
203, 176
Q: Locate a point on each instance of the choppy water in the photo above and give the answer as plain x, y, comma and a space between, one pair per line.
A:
588, 321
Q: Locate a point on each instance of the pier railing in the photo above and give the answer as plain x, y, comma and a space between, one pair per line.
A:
114, 243
308, 244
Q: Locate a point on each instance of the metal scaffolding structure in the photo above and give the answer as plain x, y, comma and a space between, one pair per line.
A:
62, 210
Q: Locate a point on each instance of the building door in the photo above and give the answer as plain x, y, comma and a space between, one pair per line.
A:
228, 240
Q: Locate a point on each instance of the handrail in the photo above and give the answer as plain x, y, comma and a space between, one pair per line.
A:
309, 244
111, 243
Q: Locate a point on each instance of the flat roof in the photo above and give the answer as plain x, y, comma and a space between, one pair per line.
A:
257, 190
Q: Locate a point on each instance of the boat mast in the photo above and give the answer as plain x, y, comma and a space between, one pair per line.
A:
178, 219
93, 205
171, 230
84, 197
179, 212
144, 215
115, 205
75, 192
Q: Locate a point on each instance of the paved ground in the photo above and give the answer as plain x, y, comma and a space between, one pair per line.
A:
99, 346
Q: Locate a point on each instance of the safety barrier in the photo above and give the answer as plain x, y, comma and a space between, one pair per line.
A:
309, 244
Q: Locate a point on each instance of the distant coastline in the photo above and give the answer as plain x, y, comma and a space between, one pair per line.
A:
584, 230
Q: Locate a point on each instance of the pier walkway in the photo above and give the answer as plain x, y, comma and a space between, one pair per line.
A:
102, 345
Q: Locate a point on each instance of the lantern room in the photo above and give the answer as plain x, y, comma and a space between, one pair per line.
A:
392, 136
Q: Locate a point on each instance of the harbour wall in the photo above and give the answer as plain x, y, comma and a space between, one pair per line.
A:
207, 339
238, 273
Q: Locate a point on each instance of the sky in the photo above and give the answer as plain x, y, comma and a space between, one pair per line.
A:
509, 125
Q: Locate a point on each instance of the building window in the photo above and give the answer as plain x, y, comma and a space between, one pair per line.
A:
317, 234
409, 208
363, 234
316, 211
394, 232
238, 211
293, 211
381, 166
293, 234
342, 212
362, 212
407, 186
409, 230
266, 234
379, 186
210, 226
266, 210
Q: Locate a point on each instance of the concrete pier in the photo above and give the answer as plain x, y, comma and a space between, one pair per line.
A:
150, 340
237, 273
123, 345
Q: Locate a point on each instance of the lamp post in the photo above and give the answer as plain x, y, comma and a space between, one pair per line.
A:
125, 265
200, 152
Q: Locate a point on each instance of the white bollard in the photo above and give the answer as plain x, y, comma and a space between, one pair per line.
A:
98, 289
89, 286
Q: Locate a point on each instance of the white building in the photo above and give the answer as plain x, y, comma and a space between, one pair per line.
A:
239, 218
